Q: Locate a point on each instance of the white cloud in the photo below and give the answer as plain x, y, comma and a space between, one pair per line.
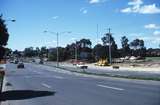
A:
126, 10
136, 6
135, 2
84, 10
96, 1
151, 26
149, 9
156, 33
151, 39
55, 17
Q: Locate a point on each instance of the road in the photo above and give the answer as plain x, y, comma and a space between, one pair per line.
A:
44, 85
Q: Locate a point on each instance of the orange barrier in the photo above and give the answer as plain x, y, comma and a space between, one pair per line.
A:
2, 61
2, 73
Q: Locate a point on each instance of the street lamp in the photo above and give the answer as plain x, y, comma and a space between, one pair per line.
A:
11, 20
57, 34
110, 52
76, 56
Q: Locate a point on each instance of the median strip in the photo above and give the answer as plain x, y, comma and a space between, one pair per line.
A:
106, 74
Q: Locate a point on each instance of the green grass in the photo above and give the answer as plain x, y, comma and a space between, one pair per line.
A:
153, 58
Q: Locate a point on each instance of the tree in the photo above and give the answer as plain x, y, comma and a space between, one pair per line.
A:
138, 48
8, 51
137, 44
84, 49
125, 46
44, 51
109, 39
37, 51
53, 54
3, 37
16, 53
85, 43
100, 52
29, 52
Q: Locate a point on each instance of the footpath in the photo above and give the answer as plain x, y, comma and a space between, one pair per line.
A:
126, 72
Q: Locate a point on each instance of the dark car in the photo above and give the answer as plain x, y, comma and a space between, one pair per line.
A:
16, 62
41, 62
20, 65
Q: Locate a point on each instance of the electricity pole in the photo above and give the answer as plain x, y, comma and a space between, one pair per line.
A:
76, 52
57, 49
110, 55
97, 33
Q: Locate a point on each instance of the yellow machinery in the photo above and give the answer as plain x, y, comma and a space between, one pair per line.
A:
102, 62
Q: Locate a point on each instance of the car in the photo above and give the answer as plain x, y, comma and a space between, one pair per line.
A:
16, 62
11, 61
33, 60
20, 65
41, 62
81, 65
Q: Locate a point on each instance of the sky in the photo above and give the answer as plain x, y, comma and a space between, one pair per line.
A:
130, 18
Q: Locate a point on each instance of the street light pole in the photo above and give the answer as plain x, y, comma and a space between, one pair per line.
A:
110, 52
76, 51
57, 49
57, 34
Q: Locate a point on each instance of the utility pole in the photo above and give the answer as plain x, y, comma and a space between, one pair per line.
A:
110, 55
76, 52
97, 33
57, 49
57, 34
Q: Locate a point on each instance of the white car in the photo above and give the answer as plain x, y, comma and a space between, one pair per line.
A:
81, 65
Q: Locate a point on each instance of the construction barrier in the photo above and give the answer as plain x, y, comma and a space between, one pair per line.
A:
2, 72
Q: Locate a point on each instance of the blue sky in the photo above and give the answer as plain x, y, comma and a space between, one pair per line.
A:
132, 18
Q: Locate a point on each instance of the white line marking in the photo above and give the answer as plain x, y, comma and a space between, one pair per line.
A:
58, 77
37, 72
115, 88
45, 85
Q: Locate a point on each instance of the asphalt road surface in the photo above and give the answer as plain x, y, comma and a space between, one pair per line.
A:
44, 85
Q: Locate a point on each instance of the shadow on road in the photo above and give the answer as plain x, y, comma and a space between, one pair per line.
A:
23, 94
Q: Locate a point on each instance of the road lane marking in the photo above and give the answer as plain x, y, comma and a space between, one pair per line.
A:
110, 87
58, 77
37, 72
45, 85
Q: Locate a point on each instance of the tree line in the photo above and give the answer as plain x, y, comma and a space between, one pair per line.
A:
82, 50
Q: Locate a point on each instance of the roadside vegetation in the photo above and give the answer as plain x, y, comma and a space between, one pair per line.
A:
83, 50
3, 37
